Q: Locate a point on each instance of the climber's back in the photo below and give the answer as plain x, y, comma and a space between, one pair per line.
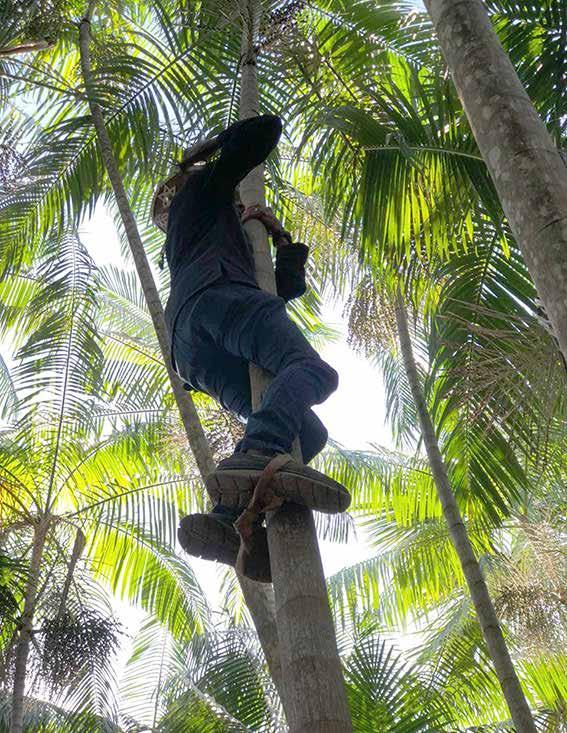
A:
205, 239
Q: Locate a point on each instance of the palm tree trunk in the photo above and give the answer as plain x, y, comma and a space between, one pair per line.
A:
29, 46
23, 643
315, 697
195, 434
78, 547
258, 600
486, 615
528, 171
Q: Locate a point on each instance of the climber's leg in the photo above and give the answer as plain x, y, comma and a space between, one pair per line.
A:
232, 389
230, 385
212, 536
252, 325
256, 328
210, 368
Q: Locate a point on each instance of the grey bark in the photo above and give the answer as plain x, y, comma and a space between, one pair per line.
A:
78, 547
315, 697
258, 600
482, 602
27, 47
526, 167
190, 419
26, 625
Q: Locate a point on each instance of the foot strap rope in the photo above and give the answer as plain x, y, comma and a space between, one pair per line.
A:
263, 500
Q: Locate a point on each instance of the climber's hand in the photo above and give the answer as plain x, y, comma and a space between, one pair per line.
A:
265, 215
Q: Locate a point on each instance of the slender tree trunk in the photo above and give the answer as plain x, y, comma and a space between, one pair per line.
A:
260, 600
29, 46
195, 434
486, 615
315, 697
528, 172
78, 547
257, 599
26, 624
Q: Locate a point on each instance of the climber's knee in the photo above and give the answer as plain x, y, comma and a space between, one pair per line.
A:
312, 437
323, 379
329, 378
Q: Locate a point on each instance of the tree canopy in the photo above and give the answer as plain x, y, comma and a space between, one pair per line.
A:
378, 171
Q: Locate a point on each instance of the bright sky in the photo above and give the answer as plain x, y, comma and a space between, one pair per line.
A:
354, 414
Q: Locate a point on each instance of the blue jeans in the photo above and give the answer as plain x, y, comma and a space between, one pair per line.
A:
228, 325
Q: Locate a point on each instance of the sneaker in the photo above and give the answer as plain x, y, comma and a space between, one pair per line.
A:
212, 537
235, 479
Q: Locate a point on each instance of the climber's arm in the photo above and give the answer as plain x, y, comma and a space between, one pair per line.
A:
243, 146
290, 257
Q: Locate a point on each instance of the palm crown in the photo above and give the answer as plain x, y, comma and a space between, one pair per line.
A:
381, 175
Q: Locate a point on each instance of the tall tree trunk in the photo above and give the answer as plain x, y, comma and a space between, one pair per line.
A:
26, 623
314, 688
260, 600
78, 547
528, 172
195, 434
257, 598
486, 615
27, 47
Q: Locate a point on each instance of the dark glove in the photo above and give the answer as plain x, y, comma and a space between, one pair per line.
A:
290, 270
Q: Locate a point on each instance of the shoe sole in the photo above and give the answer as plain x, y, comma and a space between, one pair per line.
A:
209, 540
233, 487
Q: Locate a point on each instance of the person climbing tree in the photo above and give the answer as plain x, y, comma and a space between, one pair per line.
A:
219, 320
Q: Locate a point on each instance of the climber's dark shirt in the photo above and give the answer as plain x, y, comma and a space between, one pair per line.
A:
205, 239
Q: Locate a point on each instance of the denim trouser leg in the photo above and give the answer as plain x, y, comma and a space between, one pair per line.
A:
263, 334
234, 324
234, 395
